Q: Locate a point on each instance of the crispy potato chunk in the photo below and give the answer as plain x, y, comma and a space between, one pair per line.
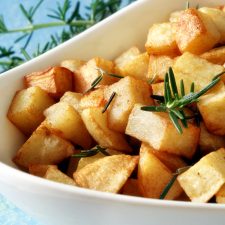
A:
195, 32
192, 68
43, 147
161, 40
215, 55
56, 175
73, 99
153, 176
74, 65
89, 72
158, 88
212, 109
26, 109
218, 17
66, 122
131, 188
220, 195
96, 123
171, 161
209, 142
203, 180
39, 170
158, 67
157, 130
55, 80
107, 174
129, 91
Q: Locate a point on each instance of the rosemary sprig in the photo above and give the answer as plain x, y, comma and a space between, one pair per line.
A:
174, 103
171, 182
109, 102
91, 152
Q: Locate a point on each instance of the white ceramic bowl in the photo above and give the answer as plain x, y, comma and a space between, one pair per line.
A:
60, 204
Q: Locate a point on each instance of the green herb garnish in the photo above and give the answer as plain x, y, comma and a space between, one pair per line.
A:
109, 102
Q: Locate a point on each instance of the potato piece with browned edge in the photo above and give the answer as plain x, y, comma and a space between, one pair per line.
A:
26, 109
131, 188
195, 31
43, 147
63, 120
89, 72
161, 40
158, 89
107, 174
157, 130
153, 176
96, 123
203, 180
55, 80
129, 91
39, 169
220, 195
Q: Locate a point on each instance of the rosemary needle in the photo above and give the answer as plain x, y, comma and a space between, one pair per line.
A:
109, 102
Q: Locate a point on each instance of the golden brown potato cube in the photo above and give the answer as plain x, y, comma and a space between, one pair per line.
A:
212, 109
171, 161
131, 188
209, 142
157, 130
136, 67
158, 67
73, 99
55, 80
26, 109
39, 170
129, 91
56, 175
161, 40
192, 68
153, 176
158, 88
63, 120
43, 147
93, 99
107, 174
215, 55
89, 72
96, 123
203, 180
195, 32
220, 195
218, 17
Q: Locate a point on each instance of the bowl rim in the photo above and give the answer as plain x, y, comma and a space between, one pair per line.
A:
16, 174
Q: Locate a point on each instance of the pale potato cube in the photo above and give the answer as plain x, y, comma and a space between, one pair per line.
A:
158, 67
220, 195
107, 174
39, 170
96, 123
209, 142
161, 40
131, 188
65, 121
26, 109
203, 180
215, 55
137, 67
218, 17
43, 147
212, 109
93, 99
89, 72
174, 16
171, 161
73, 99
129, 91
192, 68
157, 130
153, 176
56, 175
158, 89
54, 80
195, 32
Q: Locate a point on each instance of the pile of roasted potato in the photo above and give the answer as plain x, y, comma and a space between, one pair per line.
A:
63, 113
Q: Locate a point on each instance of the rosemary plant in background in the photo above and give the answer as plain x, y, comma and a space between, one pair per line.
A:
65, 15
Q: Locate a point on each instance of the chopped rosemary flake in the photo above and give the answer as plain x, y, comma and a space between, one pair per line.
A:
109, 102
